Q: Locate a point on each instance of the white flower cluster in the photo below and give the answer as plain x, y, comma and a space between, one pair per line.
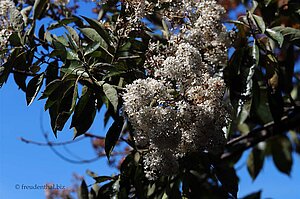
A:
5, 24
181, 110
10, 20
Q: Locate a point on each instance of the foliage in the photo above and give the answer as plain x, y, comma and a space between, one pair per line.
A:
90, 63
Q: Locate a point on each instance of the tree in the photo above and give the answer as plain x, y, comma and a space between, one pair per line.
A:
162, 71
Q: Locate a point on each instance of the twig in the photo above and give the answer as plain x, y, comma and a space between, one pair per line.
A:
50, 143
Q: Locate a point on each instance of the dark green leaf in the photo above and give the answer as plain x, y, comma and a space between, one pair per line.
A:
83, 191
6, 67
51, 72
50, 88
15, 39
291, 35
100, 179
260, 108
100, 29
255, 162
53, 112
84, 114
287, 70
39, 7
63, 22
42, 33
94, 36
73, 37
20, 80
66, 107
282, 154
112, 137
259, 22
228, 178
34, 87
91, 48
62, 39
276, 104
72, 55
256, 195
112, 95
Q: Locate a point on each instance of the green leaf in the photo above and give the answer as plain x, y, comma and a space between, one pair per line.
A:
39, 7
50, 88
112, 95
255, 195
72, 55
73, 37
53, 112
6, 67
282, 154
258, 21
73, 33
91, 48
34, 87
20, 80
287, 67
60, 50
112, 137
60, 101
228, 178
15, 39
84, 114
291, 35
42, 33
58, 92
260, 108
254, 6
51, 72
66, 107
93, 35
25, 13
276, 104
255, 162
63, 22
62, 40
100, 29
275, 35
100, 179
83, 191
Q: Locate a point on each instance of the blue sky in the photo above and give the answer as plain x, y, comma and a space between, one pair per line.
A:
25, 164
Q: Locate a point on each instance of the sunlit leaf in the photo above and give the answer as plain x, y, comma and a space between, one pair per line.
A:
34, 87
112, 95
277, 36
100, 29
291, 35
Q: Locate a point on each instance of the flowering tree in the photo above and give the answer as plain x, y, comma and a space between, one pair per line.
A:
162, 71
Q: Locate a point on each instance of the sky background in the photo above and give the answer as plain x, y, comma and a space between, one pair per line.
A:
29, 165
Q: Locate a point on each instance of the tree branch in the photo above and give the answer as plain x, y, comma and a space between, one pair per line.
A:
244, 142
